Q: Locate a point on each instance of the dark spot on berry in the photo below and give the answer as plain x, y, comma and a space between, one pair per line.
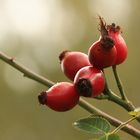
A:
42, 98
84, 87
62, 55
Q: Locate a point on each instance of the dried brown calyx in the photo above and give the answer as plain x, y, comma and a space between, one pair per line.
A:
84, 87
106, 41
62, 55
42, 98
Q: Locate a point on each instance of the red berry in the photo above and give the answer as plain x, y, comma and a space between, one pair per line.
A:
60, 97
102, 53
71, 62
89, 81
102, 56
120, 45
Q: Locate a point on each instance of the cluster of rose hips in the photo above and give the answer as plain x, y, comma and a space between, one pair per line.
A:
86, 70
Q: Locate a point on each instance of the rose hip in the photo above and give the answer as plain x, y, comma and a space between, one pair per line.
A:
120, 45
103, 53
60, 97
89, 81
71, 62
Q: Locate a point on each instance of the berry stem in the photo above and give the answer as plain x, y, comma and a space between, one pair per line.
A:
126, 105
119, 84
82, 103
102, 96
124, 124
111, 96
106, 90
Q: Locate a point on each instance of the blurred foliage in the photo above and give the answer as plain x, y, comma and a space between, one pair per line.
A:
35, 32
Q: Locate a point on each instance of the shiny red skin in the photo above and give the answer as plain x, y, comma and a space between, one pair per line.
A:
120, 46
61, 97
95, 77
72, 62
101, 57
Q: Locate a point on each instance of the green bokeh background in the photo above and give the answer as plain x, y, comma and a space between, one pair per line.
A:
69, 25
